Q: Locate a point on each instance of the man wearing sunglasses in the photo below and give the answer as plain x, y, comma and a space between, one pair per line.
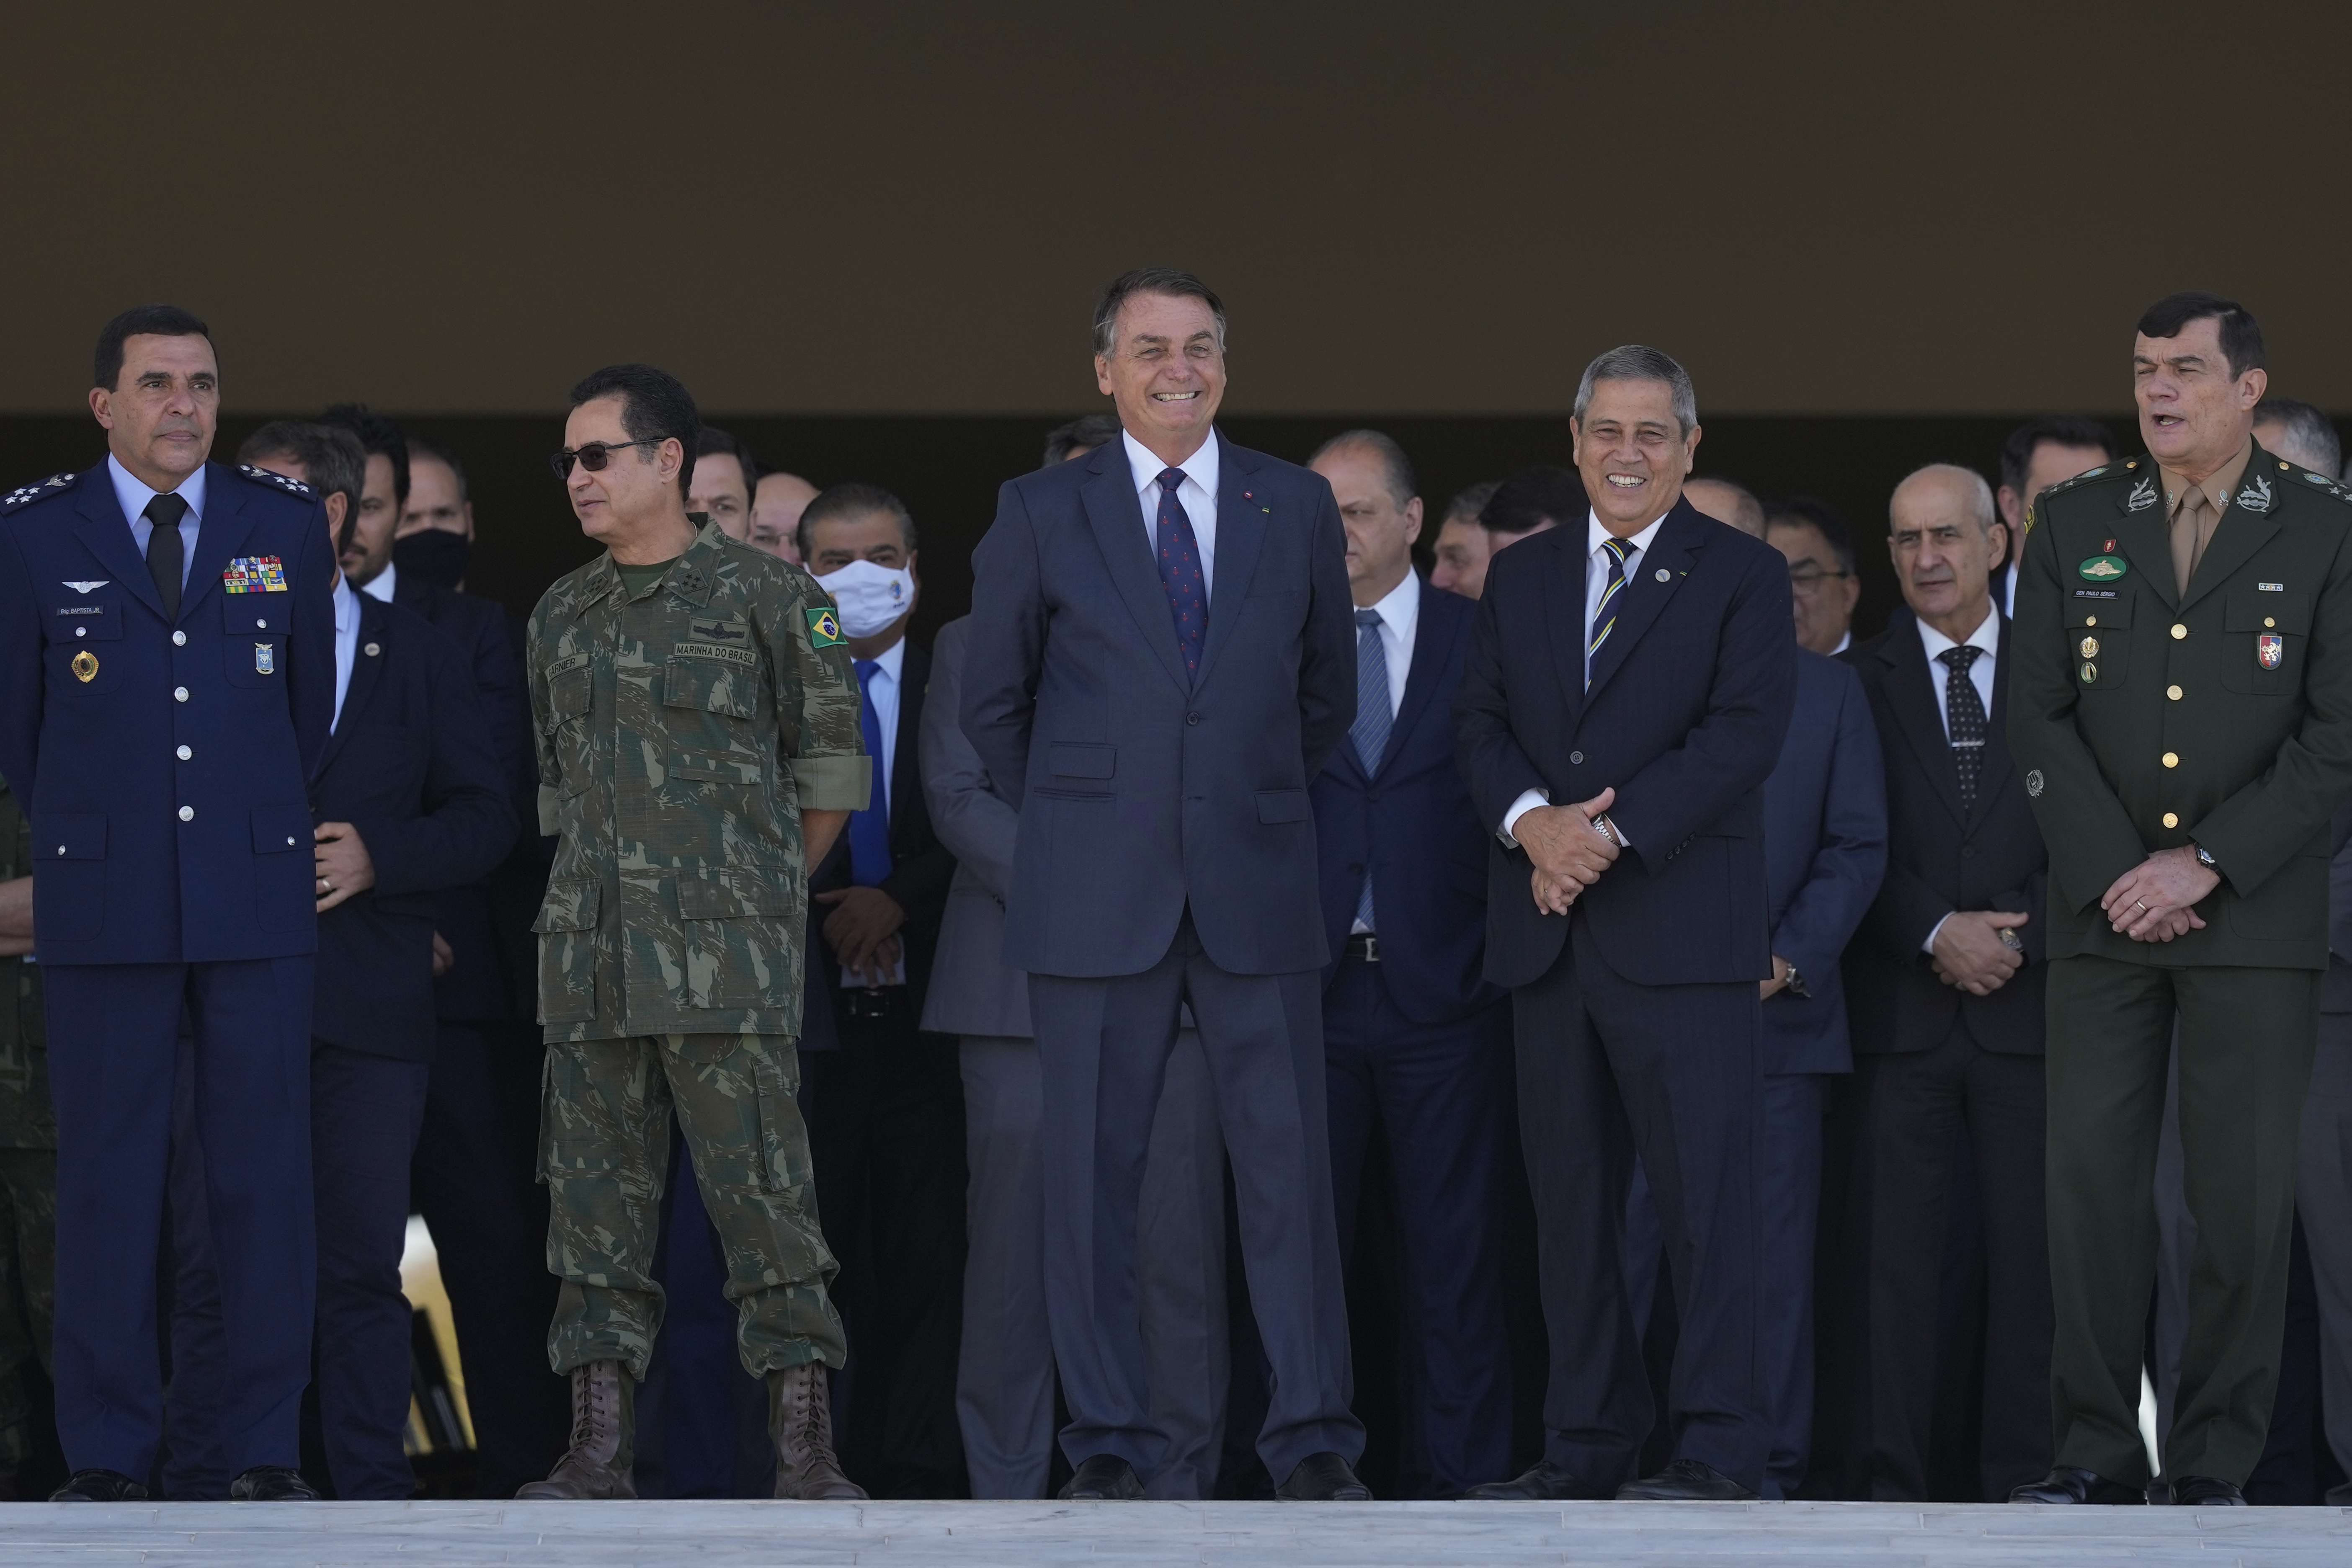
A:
697, 731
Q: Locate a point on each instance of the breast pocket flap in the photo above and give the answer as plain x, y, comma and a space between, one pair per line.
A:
741, 892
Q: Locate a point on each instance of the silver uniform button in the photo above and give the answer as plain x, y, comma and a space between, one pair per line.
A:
179, 694
289, 843
263, 625
179, 639
81, 631
185, 754
187, 814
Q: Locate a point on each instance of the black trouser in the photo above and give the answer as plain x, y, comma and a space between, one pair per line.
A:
885, 1115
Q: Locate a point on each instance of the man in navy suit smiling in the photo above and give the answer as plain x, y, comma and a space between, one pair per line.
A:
1629, 685
1161, 658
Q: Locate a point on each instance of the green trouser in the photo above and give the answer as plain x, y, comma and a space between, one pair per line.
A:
2246, 1041
28, 1289
605, 1145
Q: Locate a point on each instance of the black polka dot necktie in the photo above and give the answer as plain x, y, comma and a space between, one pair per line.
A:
1964, 719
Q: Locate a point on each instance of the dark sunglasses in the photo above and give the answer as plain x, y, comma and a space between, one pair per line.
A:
592, 456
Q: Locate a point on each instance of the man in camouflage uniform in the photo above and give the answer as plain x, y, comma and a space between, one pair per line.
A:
28, 1148
697, 719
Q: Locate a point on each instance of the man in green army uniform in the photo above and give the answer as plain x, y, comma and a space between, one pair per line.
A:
2182, 708
28, 1148
699, 747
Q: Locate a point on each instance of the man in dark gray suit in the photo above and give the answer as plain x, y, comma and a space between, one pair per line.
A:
1161, 657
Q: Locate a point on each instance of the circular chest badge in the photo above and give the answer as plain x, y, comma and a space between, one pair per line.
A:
2102, 569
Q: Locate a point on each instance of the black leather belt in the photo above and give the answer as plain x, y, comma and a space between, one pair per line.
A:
876, 1001
1365, 945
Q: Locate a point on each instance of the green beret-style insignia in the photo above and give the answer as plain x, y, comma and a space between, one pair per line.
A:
2102, 569
825, 627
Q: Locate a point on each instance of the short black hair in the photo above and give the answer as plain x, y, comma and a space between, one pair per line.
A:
1150, 281
2057, 429
714, 440
655, 407
159, 321
1402, 484
379, 438
2313, 430
1533, 497
333, 461
2241, 335
434, 451
852, 501
1083, 434
1811, 512
1471, 502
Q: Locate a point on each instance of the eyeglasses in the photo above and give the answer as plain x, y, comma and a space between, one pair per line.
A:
1807, 582
592, 456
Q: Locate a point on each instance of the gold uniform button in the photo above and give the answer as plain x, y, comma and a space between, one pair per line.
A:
2269, 621
2173, 692
2172, 759
2178, 631
2090, 620
2170, 820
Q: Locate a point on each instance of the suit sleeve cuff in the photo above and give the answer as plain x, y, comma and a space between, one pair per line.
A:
1928, 946
833, 783
1529, 800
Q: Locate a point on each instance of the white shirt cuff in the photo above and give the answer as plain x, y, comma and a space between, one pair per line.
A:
1928, 946
1529, 800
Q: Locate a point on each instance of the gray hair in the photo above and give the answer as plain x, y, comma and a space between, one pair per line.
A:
1150, 281
1637, 362
2310, 437
1980, 493
1396, 467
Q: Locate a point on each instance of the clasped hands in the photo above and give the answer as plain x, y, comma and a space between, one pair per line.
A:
2153, 901
863, 931
1569, 849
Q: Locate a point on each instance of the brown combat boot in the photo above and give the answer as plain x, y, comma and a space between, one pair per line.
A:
604, 1438
800, 1421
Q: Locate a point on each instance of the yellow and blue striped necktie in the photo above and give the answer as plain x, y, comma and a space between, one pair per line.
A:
1604, 614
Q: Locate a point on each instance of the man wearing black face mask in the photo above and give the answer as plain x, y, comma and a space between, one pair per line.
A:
435, 540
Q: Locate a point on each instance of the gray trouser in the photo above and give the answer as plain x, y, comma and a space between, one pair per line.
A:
1004, 1382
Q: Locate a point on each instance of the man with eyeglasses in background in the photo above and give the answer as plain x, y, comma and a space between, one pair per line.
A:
1822, 577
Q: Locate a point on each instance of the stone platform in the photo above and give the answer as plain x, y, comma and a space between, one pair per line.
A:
1045, 1535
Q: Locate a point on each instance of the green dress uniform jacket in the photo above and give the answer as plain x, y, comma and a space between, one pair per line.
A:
28, 1171
2145, 719
682, 731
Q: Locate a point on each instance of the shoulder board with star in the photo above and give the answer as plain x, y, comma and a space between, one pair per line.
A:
2296, 478
25, 495
2122, 468
277, 481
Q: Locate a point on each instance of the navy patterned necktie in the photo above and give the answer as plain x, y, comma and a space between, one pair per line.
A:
1179, 571
166, 554
869, 826
1375, 719
1612, 593
1964, 719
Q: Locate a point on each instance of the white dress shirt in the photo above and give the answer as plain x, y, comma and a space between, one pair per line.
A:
347, 643
1986, 637
381, 586
1844, 643
883, 690
134, 495
1400, 614
1198, 492
1596, 582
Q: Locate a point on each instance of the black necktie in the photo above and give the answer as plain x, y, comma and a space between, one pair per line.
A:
164, 552
1964, 719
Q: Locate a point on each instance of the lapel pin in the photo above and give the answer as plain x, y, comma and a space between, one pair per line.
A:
372, 649
1665, 575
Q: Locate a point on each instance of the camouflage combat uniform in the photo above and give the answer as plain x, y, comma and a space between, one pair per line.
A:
29, 1169
682, 730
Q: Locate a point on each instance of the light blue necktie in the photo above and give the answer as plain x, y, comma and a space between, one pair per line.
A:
1375, 719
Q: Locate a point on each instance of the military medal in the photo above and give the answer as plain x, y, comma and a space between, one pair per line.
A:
265, 659
85, 666
2102, 569
2090, 647
2090, 674
255, 574
2270, 650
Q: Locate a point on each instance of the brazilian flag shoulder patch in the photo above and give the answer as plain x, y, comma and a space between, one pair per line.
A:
825, 627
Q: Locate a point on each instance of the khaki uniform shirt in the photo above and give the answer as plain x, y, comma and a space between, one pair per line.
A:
682, 730
2193, 512
27, 1120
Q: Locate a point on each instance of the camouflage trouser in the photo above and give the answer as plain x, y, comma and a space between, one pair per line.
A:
28, 1288
604, 1151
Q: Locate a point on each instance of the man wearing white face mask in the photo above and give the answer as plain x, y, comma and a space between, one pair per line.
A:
885, 1100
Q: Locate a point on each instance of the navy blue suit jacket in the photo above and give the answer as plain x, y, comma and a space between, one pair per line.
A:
1824, 852
1688, 706
125, 878
1412, 823
411, 765
1141, 789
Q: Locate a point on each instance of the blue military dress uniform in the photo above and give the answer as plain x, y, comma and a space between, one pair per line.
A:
165, 761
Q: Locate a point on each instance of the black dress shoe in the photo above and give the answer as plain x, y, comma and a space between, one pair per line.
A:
1323, 1478
2071, 1483
1685, 1480
272, 1483
1546, 1482
100, 1485
2204, 1491
1102, 1477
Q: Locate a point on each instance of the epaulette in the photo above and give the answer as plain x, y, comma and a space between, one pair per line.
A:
2302, 479
280, 482
2103, 472
34, 492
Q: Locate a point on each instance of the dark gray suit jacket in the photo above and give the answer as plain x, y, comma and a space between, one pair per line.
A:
973, 990
1142, 792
